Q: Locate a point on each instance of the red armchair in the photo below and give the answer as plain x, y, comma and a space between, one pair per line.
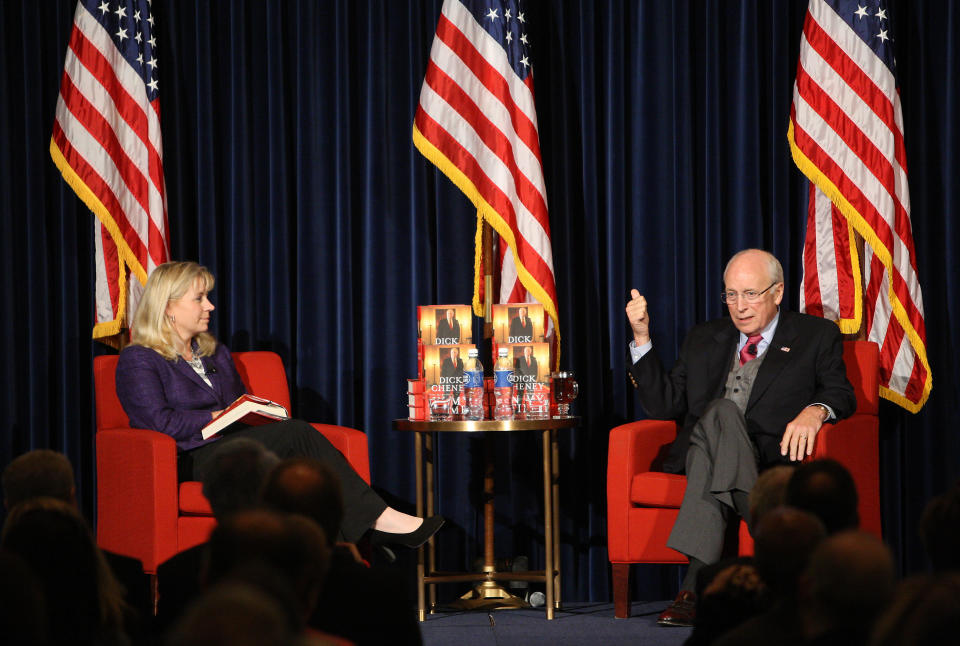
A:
141, 510
642, 502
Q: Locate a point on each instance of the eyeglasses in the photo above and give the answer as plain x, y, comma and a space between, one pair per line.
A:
750, 295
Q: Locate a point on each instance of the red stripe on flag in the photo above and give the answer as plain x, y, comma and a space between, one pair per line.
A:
490, 191
872, 217
846, 289
874, 160
491, 78
491, 136
93, 121
126, 106
104, 193
856, 79
813, 301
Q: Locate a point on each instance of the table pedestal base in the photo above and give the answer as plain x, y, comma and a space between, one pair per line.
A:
488, 595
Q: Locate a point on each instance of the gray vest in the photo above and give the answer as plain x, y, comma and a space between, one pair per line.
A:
740, 380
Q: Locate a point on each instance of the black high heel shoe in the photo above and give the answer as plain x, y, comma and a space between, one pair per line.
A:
413, 539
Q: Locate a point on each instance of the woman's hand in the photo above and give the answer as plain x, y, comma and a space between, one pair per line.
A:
215, 413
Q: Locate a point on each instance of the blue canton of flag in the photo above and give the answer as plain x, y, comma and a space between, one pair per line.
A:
130, 26
870, 20
506, 22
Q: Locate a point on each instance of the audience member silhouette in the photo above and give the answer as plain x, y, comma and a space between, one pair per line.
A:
38, 473
940, 530
848, 582
925, 611
769, 492
23, 610
231, 484
735, 594
84, 600
236, 614
826, 489
291, 545
785, 539
306, 486
46, 473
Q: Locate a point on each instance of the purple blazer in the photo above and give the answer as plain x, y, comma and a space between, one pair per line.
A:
168, 396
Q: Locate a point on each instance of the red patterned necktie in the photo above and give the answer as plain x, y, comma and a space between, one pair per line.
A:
749, 350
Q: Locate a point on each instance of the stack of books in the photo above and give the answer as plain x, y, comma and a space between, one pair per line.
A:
446, 336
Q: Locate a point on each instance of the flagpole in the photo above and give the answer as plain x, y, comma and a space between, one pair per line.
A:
487, 280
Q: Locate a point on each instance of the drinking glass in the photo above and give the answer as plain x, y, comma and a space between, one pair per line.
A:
536, 403
565, 390
442, 409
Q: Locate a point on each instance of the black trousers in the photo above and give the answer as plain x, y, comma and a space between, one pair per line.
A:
296, 438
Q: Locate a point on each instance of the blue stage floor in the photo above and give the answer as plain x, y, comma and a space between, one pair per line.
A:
577, 623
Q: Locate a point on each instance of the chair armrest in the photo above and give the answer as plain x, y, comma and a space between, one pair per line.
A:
854, 442
633, 448
352, 443
137, 494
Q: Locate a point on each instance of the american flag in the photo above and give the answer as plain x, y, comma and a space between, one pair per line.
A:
477, 123
106, 143
846, 135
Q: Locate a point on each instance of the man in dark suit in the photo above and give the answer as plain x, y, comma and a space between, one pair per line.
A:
750, 391
521, 329
525, 369
452, 365
448, 329
451, 373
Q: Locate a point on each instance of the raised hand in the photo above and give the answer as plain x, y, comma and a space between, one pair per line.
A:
638, 317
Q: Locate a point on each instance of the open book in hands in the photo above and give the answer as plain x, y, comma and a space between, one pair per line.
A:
249, 409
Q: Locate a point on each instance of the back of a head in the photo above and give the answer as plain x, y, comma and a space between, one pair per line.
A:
925, 612
81, 594
940, 529
233, 479
735, 595
785, 539
23, 610
826, 489
38, 473
769, 491
850, 579
308, 487
294, 546
232, 614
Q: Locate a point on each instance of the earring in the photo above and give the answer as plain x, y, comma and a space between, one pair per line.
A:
172, 318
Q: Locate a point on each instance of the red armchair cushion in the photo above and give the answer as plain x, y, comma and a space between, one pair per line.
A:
192, 500
654, 489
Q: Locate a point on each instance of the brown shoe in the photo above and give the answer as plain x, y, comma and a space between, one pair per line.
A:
681, 612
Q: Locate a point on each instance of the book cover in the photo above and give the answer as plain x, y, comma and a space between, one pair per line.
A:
443, 367
248, 409
531, 377
445, 325
518, 323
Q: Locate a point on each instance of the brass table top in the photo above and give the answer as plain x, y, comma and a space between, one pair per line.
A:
486, 425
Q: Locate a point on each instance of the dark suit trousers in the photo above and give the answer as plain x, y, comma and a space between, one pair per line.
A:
295, 438
721, 470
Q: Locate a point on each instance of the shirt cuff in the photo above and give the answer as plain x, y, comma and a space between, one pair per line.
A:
830, 414
637, 352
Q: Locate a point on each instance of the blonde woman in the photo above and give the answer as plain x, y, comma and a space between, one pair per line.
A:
175, 377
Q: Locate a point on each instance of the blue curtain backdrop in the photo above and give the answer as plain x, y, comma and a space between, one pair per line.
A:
291, 174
